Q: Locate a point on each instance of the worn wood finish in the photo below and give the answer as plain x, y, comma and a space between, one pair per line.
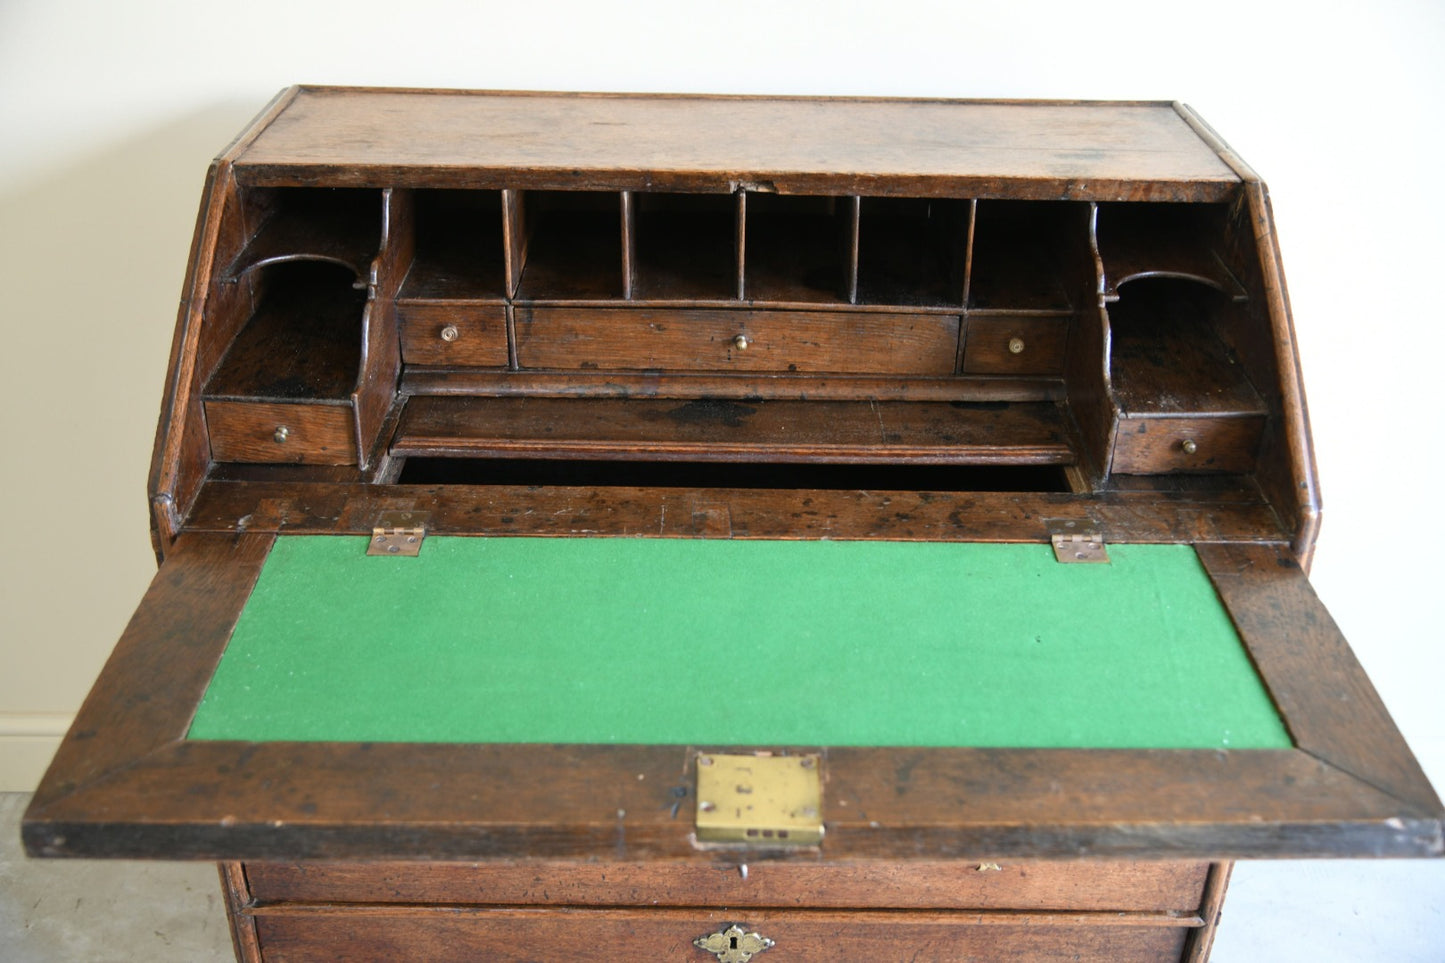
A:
1147, 446
380, 362
478, 336
314, 434
762, 386
181, 452
1201, 940
710, 430
192, 799
1015, 346
1327, 701
176, 635
1139, 887
706, 340
342, 227
792, 145
236, 889
1132, 516
1173, 241
521, 935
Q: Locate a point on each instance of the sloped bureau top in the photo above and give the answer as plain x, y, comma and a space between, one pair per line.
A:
1040, 150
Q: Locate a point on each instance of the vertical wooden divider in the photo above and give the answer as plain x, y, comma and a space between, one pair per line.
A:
514, 238
514, 260
967, 284
380, 366
855, 215
740, 243
1086, 374
629, 245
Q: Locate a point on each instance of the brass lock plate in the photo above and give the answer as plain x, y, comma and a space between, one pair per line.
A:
767, 802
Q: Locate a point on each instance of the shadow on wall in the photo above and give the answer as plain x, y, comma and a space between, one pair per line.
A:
92, 257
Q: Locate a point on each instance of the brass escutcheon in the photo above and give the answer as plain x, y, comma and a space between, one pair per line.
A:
733, 945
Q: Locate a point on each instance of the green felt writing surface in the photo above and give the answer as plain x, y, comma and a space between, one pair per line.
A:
722, 642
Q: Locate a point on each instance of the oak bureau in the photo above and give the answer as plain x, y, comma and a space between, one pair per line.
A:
704, 528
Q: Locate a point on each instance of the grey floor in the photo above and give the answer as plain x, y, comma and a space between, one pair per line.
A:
84, 911
59, 911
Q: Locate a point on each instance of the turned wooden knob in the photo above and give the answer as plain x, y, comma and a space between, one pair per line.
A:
281, 434
1015, 345
450, 333
741, 342
1188, 446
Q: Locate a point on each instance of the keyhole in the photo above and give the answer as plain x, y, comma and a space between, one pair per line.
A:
733, 943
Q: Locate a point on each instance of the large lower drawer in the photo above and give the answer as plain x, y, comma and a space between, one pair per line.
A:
1140, 887
640, 339
464, 935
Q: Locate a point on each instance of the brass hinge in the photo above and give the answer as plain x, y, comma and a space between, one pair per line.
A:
1077, 540
767, 802
398, 533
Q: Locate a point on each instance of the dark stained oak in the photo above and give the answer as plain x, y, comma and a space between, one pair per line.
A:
1138, 887
713, 430
612, 339
442, 935
1107, 151
609, 315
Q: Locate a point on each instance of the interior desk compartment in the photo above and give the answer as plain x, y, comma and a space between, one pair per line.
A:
283, 390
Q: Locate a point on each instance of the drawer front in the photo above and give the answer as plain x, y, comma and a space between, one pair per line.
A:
641, 339
445, 935
1150, 446
1015, 346
473, 335
272, 432
943, 884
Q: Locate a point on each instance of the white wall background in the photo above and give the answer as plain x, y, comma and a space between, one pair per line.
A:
109, 113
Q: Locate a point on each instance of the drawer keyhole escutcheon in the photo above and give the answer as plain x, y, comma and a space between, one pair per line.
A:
450, 333
733, 945
281, 434
741, 342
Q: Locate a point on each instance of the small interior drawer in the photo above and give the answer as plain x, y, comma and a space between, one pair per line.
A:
1015, 346
1148, 446
281, 432
453, 334
666, 339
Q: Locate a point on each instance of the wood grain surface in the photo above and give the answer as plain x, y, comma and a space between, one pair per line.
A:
790, 145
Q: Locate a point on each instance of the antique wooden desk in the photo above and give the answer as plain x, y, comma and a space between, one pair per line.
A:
670, 528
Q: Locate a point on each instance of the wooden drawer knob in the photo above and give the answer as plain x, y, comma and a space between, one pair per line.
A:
281, 434
1015, 345
1188, 446
741, 342
450, 333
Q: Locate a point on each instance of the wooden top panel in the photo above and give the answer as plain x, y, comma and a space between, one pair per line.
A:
1085, 151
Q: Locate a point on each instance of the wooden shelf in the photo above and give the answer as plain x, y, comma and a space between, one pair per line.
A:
721, 431
798, 249
573, 248
1162, 241
1016, 262
302, 343
342, 226
685, 247
458, 248
912, 251
1167, 357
